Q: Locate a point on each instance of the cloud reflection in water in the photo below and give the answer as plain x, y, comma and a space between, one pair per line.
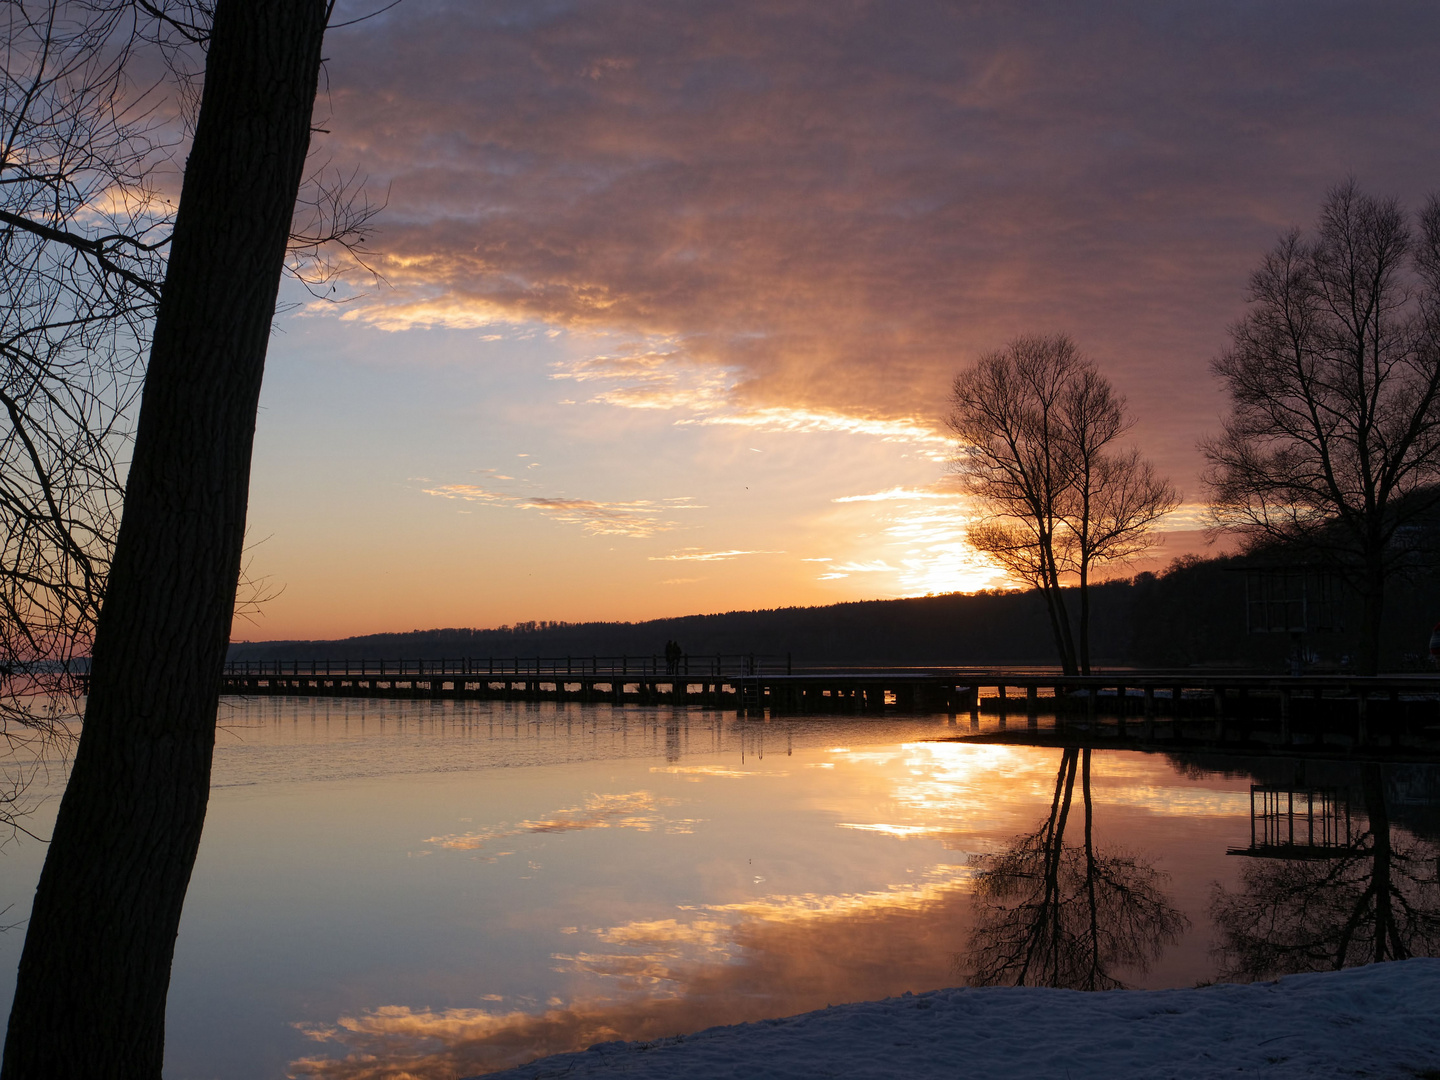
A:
716, 964
630, 810
685, 967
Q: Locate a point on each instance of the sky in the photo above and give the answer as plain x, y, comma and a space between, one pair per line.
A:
673, 293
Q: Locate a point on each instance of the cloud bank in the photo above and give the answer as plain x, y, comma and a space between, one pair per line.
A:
810, 209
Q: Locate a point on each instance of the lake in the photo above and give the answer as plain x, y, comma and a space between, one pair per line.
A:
447, 888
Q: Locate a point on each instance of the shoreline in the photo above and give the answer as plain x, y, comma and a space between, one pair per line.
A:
1377, 1021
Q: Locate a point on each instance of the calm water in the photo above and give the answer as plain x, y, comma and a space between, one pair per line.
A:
451, 888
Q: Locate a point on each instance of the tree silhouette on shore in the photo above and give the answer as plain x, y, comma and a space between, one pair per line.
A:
1331, 451
1038, 430
92, 983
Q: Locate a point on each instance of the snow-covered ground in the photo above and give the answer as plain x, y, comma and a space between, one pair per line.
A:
1377, 1021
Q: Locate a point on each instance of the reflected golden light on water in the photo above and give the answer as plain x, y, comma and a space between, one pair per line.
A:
1178, 802
945, 788
951, 782
894, 830
723, 963
904, 810
700, 772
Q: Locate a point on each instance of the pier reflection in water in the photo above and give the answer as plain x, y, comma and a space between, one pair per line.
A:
1366, 892
443, 889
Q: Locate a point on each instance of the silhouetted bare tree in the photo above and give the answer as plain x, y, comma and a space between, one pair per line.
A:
84, 229
1374, 900
1332, 445
1038, 429
1049, 914
82, 238
92, 983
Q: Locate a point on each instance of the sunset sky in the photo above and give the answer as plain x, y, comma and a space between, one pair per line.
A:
674, 291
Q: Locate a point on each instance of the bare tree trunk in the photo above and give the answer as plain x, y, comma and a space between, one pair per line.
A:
1053, 835
1051, 904
1059, 627
1387, 944
1092, 943
1059, 616
90, 997
1085, 621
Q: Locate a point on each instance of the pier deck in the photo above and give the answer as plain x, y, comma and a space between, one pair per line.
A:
1235, 704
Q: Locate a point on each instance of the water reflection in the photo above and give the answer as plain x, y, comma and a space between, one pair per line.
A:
1068, 915
621, 810
439, 889
1361, 894
716, 964
1069, 903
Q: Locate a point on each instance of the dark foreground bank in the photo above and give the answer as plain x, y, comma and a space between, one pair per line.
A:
1375, 1021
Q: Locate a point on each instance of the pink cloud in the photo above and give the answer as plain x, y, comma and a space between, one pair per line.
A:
838, 205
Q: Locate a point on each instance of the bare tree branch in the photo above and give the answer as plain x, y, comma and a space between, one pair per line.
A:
1332, 446
1037, 426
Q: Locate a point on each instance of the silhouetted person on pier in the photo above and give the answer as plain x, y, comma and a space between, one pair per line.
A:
673, 653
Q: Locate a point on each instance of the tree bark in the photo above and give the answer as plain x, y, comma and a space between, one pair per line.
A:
93, 978
1058, 626
1059, 615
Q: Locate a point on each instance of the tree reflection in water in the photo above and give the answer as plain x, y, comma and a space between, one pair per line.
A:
1375, 898
1064, 915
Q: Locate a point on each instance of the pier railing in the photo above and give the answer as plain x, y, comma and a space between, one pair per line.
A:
714, 664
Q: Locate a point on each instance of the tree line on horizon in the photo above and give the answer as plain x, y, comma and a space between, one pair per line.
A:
1191, 614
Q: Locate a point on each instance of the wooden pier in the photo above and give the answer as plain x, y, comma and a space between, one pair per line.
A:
1285, 708
619, 680
1324, 714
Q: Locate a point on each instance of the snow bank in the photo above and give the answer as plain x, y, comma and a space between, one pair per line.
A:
1377, 1021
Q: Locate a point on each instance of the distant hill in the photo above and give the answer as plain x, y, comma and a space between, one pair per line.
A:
981, 629
1192, 614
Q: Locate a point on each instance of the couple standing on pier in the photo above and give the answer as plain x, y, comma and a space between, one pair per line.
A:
673, 655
